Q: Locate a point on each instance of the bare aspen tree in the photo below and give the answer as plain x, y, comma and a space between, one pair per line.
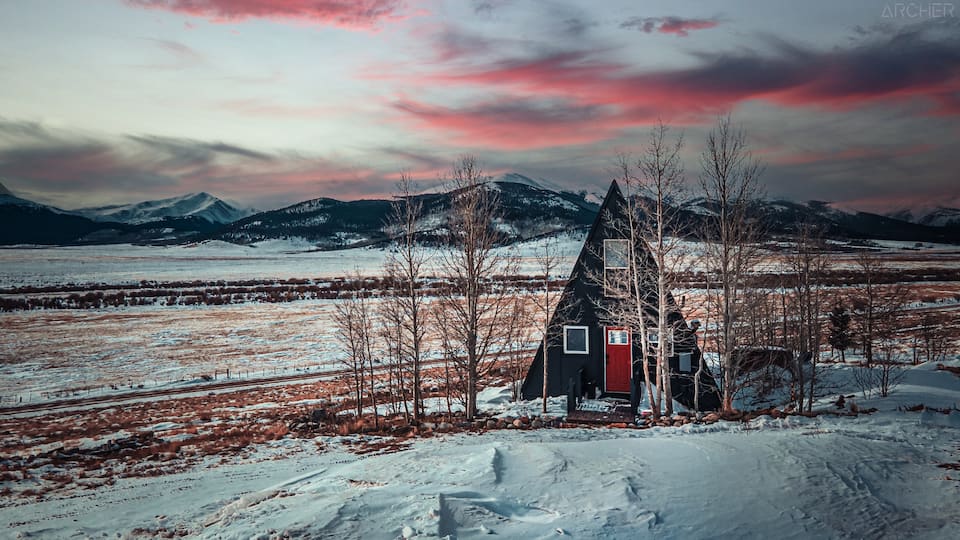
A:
451, 390
391, 332
404, 267
661, 188
548, 260
520, 324
702, 343
476, 305
729, 182
869, 297
808, 263
932, 341
366, 325
354, 321
878, 307
346, 319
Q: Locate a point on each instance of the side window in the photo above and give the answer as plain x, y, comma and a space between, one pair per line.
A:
653, 339
685, 363
576, 340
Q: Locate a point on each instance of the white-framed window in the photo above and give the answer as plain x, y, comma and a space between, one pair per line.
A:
616, 254
653, 339
576, 340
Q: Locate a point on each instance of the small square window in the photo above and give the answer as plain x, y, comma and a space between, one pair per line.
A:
575, 340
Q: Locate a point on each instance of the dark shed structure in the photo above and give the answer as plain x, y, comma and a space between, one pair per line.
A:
589, 355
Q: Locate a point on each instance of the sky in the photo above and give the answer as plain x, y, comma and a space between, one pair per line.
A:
271, 102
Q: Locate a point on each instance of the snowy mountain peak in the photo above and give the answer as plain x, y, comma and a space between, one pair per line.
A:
593, 197
202, 205
517, 178
4, 190
942, 217
937, 216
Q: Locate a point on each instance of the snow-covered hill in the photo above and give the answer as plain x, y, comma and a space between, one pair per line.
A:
200, 205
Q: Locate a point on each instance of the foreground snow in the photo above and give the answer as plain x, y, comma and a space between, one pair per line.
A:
872, 476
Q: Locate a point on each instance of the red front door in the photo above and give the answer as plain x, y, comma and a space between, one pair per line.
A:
617, 356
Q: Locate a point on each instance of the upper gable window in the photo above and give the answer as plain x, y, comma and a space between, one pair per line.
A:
616, 254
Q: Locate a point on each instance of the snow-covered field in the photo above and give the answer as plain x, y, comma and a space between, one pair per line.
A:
88, 350
212, 261
868, 476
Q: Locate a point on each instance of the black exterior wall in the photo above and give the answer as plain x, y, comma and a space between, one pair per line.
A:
578, 307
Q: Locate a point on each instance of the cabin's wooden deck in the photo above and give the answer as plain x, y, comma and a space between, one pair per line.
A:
601, 412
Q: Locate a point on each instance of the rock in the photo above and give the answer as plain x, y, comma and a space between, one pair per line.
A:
524, 419
517, 423
428, 425
408, 532
492, 423
444, 427
536, 424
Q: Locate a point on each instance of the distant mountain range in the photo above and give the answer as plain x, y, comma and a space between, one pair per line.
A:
182, 218
529, 208
201, 205
526, 211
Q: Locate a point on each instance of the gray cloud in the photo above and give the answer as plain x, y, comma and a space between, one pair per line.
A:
73, 169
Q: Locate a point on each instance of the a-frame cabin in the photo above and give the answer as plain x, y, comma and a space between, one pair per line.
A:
591, 355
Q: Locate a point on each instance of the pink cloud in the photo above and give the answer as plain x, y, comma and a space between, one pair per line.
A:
567, 98
348, 14
513, 124
669, 25
682, 27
